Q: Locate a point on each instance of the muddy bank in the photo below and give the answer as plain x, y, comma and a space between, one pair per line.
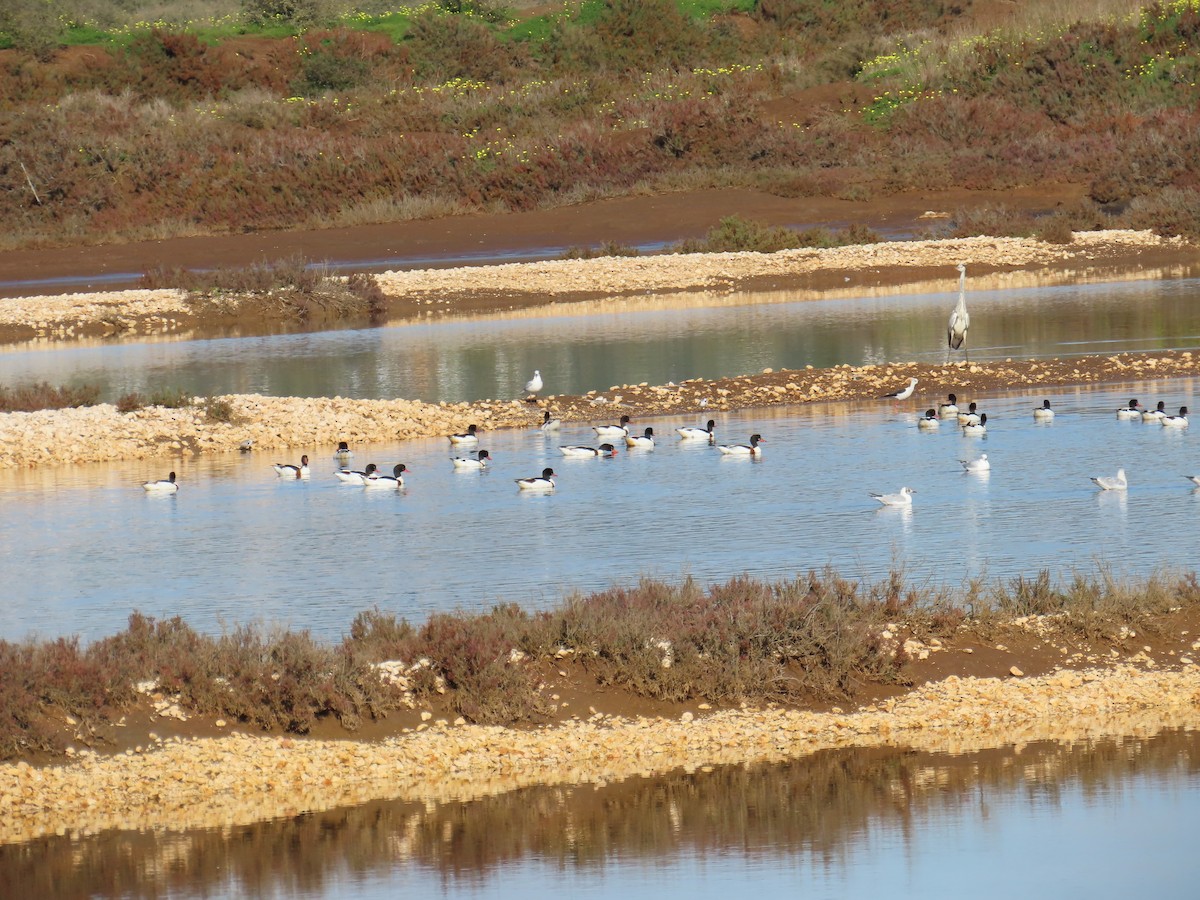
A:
98, 433
623, 283
178, 784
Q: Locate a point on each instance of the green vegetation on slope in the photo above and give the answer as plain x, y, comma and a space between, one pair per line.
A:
323, 115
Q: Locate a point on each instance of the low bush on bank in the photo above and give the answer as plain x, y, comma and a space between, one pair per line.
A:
734, 234
816, 638
43, 395
289, 288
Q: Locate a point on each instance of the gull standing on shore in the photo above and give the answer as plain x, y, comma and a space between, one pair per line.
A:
533, 385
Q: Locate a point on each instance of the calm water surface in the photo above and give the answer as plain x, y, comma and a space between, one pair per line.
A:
1093, 818
84, 546
471, 360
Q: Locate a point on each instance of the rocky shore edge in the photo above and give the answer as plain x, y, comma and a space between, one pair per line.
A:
101, 433
176, 784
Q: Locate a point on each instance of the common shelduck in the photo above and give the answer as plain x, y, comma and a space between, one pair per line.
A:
287, 470
950, 407
1043, 413
904, 393
1132, 411
970, 417
692, 433
543, 483
641, 441
979, 427
588, 452
345, 476
480, 461
162, 486
929, 421
343, 452
750, 449
903, 497
395, 480
1158, 412
613, 431
1105, 483
549, 424
466, 437
1179, 421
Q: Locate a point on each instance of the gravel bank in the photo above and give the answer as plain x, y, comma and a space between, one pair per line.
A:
98, 433
241, 779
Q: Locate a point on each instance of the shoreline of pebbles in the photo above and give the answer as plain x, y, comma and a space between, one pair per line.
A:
179, 784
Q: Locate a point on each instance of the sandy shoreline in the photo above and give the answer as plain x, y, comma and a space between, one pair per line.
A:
239, 779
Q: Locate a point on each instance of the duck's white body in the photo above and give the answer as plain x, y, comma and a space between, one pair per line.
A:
1043, 413
750, 449
692, 433
929, 421
465, 437
466, 463
393, 481
977, 465
588, 452
162, 486
613, 431
542, 483
950, 408
976, 428
901, 498
1132, 411
345, 476
1153, 415
1107, 483
1179, 421
287, 470
641, 441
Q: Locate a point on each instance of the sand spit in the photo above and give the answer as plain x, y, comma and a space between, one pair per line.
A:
241, 779
863, 270
99, 433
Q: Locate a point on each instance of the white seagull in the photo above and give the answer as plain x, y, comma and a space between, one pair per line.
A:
901, 498
287, 470
1106, 483
162, 486
543, 483
980, 464
930, 420
904, 393
1194, 479
533, 385
960, 320
1043, 413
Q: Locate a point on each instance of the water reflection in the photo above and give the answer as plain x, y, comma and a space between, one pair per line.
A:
470, 360
1117, 814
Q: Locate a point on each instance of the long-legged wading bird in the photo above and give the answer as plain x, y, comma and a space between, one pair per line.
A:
960, 319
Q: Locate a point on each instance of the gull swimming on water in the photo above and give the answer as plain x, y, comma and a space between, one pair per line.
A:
903, 497
977, 465
1105, 483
